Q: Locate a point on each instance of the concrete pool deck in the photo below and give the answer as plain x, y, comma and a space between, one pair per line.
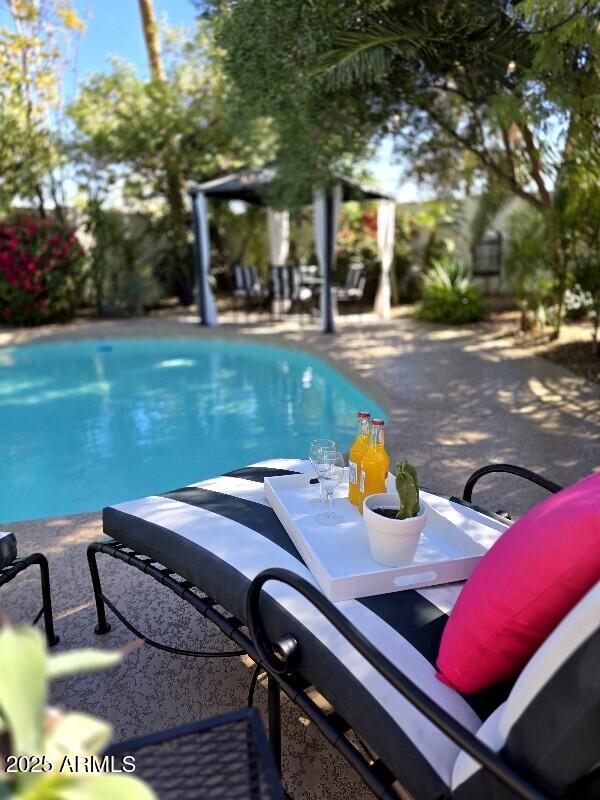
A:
457, 399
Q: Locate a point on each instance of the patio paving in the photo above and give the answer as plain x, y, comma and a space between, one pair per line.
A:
457, 399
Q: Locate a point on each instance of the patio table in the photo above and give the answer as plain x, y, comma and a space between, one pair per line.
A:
222, 758
220, 533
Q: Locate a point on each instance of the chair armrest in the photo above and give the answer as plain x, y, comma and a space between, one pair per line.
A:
522, 472
278, 659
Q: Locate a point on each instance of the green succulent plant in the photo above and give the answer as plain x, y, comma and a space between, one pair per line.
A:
28, 728
407, 486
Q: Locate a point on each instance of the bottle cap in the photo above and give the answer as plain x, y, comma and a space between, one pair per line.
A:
364, 415
377, 423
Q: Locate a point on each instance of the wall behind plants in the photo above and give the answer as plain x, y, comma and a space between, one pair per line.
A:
442, 229
126, 260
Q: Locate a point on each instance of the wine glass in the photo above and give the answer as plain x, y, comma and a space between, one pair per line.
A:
330, 478
317, 448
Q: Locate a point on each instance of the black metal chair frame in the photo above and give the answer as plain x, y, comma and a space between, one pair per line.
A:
278, 658
10, 571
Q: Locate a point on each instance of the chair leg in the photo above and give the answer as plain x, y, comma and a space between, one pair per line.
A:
103, 626
274, 708
51, 636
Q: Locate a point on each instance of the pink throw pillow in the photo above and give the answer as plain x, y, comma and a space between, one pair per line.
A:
518, 593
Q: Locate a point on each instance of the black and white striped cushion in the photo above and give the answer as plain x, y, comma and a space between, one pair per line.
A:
549, 727
221, 533
286, 282
245, 279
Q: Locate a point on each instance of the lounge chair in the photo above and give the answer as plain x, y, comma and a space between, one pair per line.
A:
11, 565
219, 535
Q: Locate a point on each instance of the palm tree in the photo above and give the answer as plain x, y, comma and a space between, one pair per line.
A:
174, 182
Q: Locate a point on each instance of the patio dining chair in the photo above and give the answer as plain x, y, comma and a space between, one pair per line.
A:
354, 289
310, 275
247, 287
12, 565
372, 659
287, 290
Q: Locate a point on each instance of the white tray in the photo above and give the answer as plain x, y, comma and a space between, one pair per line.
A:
338, 556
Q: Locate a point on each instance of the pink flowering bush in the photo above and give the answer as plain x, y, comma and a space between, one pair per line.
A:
41, 271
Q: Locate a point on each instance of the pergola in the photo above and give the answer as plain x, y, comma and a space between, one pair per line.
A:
253, 187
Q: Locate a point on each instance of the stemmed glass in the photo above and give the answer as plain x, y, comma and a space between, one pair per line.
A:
330, 478
317, 448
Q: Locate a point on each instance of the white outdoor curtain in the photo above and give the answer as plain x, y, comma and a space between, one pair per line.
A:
209, 300
386, 218
278, 226
328, 304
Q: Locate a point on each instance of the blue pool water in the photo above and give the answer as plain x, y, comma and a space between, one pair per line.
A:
86, 424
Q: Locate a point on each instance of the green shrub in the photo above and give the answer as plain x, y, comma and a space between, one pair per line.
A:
449, 296
587, 274
138, 290
41, 271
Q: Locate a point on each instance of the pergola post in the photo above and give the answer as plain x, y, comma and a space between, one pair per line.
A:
327, 204
207, 314
197, 251
327, 316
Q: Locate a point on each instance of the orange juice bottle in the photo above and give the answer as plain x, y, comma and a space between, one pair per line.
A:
359, 445
375, 464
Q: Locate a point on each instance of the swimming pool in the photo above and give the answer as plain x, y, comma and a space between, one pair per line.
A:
90, 423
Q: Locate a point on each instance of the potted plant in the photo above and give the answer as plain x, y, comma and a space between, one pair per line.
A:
395, 521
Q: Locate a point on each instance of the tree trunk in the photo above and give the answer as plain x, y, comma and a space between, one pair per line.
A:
557, 233
173, 180
559, 268
40, 197
152, 42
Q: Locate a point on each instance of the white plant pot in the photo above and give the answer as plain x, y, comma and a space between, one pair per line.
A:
393, 542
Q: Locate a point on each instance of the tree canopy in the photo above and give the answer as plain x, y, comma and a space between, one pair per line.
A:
508, 87
152, 136
272, 48
34, 55
495, 97
126, 124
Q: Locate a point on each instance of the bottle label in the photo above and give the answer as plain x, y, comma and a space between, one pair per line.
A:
353, 472
362, 481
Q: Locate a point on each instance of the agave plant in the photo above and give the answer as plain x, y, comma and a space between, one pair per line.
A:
450, 275
449, 296
30, 732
